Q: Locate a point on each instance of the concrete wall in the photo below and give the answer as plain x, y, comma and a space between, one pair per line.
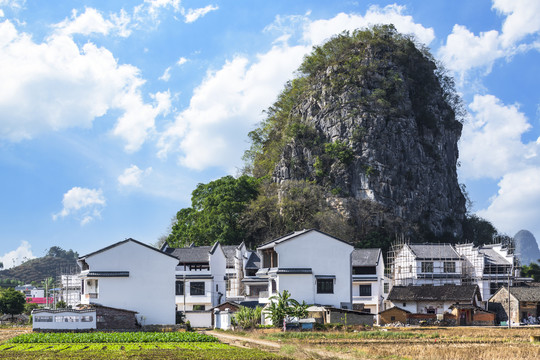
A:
64, 320
150, 287
325, 256
200, 319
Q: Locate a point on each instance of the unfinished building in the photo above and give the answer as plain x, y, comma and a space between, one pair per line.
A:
488, 266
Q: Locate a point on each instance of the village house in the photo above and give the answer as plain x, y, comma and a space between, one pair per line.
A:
369, 288
132, 276
313, 266
524, 303
430, 302
489, 266
425, 264
207, 276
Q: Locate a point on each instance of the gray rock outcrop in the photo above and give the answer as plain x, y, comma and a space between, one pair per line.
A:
526, 247
381, 130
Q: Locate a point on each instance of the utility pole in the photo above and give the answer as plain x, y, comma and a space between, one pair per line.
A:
509, 313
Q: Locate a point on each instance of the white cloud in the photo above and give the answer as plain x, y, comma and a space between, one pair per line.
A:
17, 256
56, 85
464, 50
517, 203
91, 21
167, 73
523, 18
224, 107
193, 14
317, 32
85, 204
491, 142
210, 133
15, 4
150, 10
132, 176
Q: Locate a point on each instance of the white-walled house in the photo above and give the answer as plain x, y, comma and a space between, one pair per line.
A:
200, 276
431, 299
369, 287
133, 276
313, 266
489, 266
426, 264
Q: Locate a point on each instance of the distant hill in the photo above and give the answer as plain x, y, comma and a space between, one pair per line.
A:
526, 247
56, 262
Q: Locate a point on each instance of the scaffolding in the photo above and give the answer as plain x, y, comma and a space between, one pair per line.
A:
488, 266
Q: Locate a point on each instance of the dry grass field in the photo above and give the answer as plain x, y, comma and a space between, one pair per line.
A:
410, 343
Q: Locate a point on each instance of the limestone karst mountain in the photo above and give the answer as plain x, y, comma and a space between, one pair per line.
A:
373, 123
526, 247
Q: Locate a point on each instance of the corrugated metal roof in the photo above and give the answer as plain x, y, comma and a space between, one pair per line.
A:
365, 257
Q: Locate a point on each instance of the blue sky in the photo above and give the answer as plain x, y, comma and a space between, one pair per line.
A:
111, 112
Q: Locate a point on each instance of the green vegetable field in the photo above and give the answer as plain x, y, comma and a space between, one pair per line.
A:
129, 345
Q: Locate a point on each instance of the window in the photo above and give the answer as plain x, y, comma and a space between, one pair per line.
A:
196, 288
365, 290
392, 318
179, 288
198, 307
427, 266
386, 288
410, 268
449, 267
364, 270
399, 270
87, 318
43, 318
325, 286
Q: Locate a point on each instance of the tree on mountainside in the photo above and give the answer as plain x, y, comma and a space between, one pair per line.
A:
12, 302
478, 231
58, 252
214, 213
531, 270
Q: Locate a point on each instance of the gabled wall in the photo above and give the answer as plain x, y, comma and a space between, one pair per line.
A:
149, 289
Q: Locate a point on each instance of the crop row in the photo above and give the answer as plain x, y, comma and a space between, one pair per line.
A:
117, 337
113, 347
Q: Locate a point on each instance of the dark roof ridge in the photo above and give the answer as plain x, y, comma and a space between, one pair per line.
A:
120, 243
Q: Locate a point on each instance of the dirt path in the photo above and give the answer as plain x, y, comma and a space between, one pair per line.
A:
294, 350
242, 341
6, 334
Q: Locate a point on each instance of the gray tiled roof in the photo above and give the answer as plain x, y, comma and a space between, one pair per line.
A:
434, 251
526, 293
433, 293
254, 261
272, 243
230, 253
192, 254
365, 257
491, 257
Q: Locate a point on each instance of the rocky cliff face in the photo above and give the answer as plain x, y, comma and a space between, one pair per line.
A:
375, 121
526, 247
